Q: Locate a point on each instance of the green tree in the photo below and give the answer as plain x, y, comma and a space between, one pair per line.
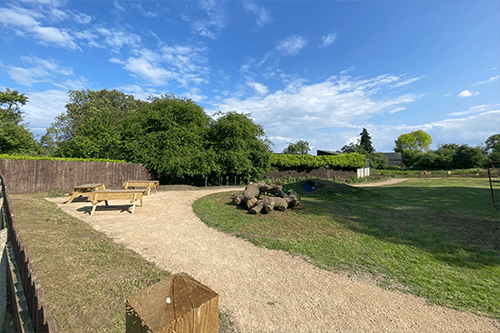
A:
98, 137
416, 140
82, 107
366, 143
492, 141
168, 137
352, 147
300, 147
412, 146
241, 146
15, 138
11, 102
469, 157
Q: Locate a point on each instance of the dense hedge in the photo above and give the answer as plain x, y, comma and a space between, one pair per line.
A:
353, 160
47, 158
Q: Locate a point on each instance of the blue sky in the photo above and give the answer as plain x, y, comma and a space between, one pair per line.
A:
318, 71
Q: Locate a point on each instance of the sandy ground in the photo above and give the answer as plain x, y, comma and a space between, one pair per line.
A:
264, 290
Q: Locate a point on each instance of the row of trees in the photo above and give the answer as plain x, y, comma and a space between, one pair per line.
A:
414, 148
172, 136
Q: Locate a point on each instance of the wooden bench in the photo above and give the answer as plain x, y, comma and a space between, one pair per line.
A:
133, 195
149, 184
80, 189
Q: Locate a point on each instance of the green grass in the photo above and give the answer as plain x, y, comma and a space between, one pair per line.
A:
85, 276
435, 238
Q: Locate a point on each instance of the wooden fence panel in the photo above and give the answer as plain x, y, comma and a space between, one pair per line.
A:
27, 176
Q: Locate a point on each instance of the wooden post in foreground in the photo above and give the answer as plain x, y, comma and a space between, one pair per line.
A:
177, 304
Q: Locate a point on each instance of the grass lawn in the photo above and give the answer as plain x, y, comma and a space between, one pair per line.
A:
85, 276
435, 238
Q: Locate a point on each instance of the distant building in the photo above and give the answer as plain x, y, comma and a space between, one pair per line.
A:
394, 159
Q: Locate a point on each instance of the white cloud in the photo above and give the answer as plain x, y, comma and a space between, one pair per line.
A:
195, 95
43, 70
118, 6
217, 19
27, 77
259, 88
116, 39
318, 108
491, 79
262, 14
44, 106
467, 93
405, 82
182, 63
82, 18
89, 36
143, 11
397, 110
350, 69
447, 95
138, 92
476, 109
292, 45
328, 39
24, 19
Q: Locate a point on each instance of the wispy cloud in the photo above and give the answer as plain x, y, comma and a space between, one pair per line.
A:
143, 11
476, 109
44, 106
82, 18
216, 21
348, 70
26, 20
263, 16
408, 81
42, 71
327, 40
181, 63
292, 45
467, 93
116, 38
491, 79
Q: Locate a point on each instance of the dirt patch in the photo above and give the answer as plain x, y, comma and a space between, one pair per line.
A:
266, 290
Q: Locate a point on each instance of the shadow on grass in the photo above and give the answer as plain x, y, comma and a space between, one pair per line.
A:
456, 225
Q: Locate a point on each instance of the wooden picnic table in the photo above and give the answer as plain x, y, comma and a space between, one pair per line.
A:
80, 189
149, 184
133, 195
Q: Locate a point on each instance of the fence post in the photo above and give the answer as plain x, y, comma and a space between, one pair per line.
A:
177, 304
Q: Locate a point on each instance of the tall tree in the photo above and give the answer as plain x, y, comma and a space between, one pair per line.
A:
300, 147
414, 141
11, 102
240, 144
168, 137
469, 157
83, 106
15, 138
366, 143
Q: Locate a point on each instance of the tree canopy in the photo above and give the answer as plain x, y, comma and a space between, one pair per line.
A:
298, 147
15, 138
414, 141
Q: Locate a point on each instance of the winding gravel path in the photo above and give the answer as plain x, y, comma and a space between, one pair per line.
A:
266, 290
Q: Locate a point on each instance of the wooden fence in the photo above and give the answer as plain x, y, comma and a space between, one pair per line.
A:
22, 278
26, 176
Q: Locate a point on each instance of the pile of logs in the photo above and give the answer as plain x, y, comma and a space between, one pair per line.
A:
281, 200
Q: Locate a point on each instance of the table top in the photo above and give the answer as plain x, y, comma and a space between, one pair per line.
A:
142, 181
88, 186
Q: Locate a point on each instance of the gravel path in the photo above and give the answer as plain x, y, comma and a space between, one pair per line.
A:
265, 290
